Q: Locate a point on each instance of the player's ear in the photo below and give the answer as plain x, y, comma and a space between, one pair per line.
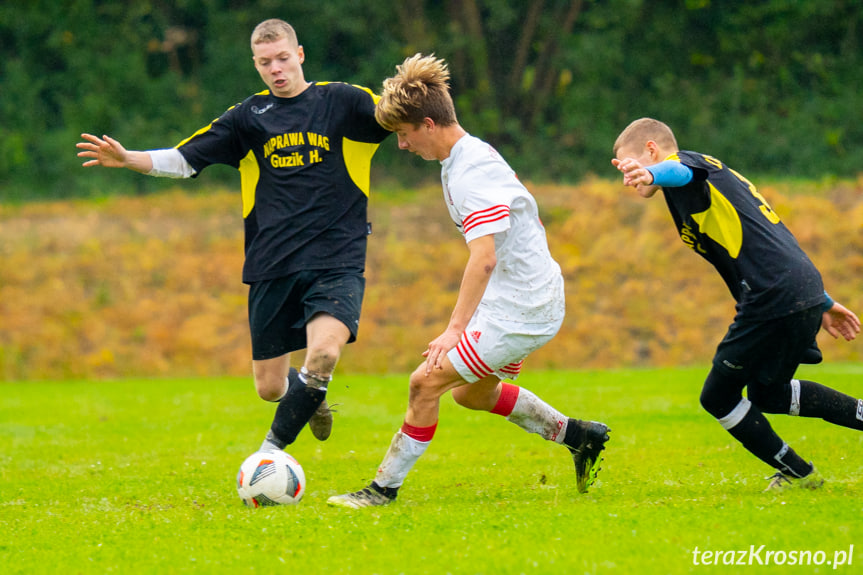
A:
653, 150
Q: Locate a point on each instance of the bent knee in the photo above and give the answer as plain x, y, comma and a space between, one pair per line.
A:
271, 385
720, 394
426, 385
323, 358
419, 381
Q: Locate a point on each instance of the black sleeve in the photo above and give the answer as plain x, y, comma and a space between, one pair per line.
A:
217, 143
366, 127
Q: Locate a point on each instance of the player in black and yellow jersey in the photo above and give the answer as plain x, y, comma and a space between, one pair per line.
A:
781, 302
304, 152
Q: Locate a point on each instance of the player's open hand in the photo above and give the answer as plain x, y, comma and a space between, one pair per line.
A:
634, 174
104, 151
438, 349
839, 320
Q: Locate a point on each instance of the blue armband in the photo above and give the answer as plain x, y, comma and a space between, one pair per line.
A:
670, 174
828, 303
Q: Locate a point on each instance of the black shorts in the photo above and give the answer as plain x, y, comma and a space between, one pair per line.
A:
767, 352
279, 309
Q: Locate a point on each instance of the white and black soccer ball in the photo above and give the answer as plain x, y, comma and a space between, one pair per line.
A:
271, 478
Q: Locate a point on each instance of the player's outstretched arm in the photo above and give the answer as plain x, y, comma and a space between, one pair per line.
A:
108, 152
839, 320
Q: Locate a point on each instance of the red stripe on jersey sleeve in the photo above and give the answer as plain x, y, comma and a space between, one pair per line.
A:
488, 215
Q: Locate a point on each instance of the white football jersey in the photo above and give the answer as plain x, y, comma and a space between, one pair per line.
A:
485, 197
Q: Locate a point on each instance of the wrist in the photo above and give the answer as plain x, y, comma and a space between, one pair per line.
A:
827, 305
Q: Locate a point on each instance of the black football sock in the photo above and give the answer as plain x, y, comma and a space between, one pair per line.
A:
749, 426
294, 410
816, 400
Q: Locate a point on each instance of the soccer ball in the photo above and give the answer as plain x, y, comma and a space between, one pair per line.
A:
271, 478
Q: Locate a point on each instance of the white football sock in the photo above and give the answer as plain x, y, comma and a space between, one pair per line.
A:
400, 458
536, 416
270, 444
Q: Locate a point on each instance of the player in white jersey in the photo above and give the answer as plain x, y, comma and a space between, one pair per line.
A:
510, 302
522, 306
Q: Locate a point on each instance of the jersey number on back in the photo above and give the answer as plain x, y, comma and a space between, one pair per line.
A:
765, 208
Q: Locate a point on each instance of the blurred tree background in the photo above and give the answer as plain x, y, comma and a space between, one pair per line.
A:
771, 86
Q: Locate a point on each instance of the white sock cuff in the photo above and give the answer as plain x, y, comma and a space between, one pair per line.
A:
318, 382
412, 446
795, 397
737, 414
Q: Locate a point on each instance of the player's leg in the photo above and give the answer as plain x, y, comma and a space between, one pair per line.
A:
497, 352
328, 303
722, 397
332, 310
307, 391
756, 354
285, 427
273, 322
517, 404
281, 312
500, 351
808, 398
584, 439
327, 336
270, 375
409, 442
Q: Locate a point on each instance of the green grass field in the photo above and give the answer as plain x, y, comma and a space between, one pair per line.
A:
138, 477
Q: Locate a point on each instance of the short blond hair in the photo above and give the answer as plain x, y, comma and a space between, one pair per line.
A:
419, 90
273, 30
641, 131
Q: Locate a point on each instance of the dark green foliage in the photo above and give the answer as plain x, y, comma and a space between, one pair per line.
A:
771, 86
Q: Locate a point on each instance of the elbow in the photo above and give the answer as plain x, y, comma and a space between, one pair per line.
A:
490, 264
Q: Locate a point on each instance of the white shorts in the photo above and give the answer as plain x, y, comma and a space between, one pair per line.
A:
488, 347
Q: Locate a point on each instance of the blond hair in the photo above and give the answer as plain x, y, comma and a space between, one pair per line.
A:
419, 90
639, 132
273, 30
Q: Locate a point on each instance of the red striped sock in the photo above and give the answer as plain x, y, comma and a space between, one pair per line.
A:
423, 434
506, 402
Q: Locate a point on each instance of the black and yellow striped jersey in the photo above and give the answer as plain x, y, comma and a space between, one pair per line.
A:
305, 167
722, 217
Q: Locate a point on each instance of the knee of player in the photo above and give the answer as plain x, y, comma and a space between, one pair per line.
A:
423, 385
706, 400
270, 388
322, 358
719, 395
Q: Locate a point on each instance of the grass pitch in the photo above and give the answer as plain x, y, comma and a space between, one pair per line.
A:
138, 477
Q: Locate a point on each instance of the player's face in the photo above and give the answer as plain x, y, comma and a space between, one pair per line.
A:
280, 65
417, 139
